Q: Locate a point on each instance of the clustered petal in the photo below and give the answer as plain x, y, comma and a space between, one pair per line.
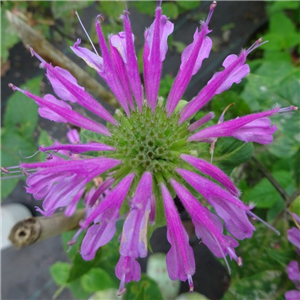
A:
147, 152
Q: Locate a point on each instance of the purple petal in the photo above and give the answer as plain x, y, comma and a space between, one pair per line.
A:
294, 236
208, 227
229, 128
47, 113
293, 272
180, 258
228, 207
132, 64
101, 189
109, 73
69, 115
73, 136
201, 121
154, 53
191, 61
59, 88
99, 234
63, 192
292, 295
66, 87
113, 200
127, 269
296, 217
83, 166
213, 172
116, 48
235, 70
134, 236
92, 60
79, 148
71, 207
236, 75
261, 135
152, 212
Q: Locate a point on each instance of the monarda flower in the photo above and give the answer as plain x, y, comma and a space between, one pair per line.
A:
147, 153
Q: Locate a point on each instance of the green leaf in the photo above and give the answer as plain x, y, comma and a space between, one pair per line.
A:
281, 257
62, 9
287, 136
97, 279
171, 8
11, 144
228, 154
277, 82
282, 33
21, 113
151, 290
45, 140
263, 285
145, 7
9, 36
66, 237
295, 206
263, 194
111, 294
281, 5
264, 88
60, 272
78, 290
111, 9
179, 46
188, 5
81, 266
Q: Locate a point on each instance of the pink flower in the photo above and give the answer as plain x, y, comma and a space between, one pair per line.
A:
145, 150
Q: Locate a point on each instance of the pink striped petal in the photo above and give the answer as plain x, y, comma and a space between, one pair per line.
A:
232, 127
79, 148
213, 172
180, 258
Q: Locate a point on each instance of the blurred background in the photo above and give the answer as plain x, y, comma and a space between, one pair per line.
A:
270, 179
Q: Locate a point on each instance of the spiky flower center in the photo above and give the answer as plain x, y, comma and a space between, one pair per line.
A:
148, 141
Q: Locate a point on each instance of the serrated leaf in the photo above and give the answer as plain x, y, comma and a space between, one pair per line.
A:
188, 5
151, 290
21, 113
97, 279
60, 272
